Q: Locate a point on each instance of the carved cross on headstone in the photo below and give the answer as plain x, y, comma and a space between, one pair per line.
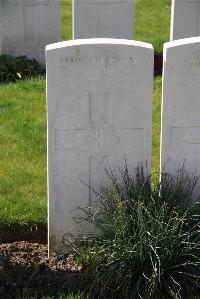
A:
100, 137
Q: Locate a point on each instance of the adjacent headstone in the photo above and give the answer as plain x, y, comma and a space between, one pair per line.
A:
99, 99
185, 19
180, 140
27, 26
103, 18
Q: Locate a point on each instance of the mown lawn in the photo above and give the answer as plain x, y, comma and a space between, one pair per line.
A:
23, 183
152, 22
23, 153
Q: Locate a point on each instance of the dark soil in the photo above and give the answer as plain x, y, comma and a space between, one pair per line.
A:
158, 64
37, 233
26, 270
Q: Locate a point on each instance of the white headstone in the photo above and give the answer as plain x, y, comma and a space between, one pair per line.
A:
103, 18
180, 140
185, 19
99, 98
27, 26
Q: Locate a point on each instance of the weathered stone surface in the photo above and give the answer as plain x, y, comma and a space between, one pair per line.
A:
99, 98
103, 18
180, 141
185, 19
27, 26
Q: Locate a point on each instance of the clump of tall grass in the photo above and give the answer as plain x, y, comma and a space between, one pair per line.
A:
147, 240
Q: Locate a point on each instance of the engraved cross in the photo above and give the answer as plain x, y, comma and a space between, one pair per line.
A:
98, 135
99, 139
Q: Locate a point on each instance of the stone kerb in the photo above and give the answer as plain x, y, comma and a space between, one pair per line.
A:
103, 19
185, 19
27, 26
180, 133
99, 101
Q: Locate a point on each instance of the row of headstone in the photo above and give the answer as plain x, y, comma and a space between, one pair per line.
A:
99, 97
27, 26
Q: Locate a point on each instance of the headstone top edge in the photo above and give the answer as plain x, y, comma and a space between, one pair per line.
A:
186, 1
181, 42
98, 41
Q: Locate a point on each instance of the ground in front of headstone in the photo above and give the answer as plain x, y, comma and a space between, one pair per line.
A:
26, 269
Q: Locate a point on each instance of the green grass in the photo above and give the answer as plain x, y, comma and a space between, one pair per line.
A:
156, 123
152, 21
23, 181
23, 153
66, 19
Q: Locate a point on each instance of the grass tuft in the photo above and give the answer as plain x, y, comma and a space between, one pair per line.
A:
147, 240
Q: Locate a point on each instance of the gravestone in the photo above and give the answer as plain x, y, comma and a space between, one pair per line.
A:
99, 99
103, 18
27, 26
185, 19
180, 141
